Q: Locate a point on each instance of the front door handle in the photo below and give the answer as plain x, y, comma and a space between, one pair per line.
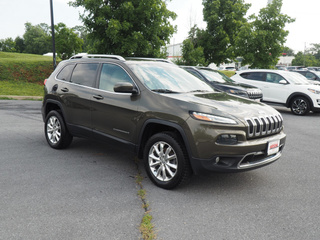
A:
98, 97
64, 89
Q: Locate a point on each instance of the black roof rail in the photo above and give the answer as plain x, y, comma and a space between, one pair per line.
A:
117, 57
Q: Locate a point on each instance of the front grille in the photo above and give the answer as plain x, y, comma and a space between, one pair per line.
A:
264, 125
254, 93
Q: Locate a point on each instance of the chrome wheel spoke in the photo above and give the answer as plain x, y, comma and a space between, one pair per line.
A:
53, 130
163, 161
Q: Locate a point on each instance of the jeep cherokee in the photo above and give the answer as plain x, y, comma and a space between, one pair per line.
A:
172, 120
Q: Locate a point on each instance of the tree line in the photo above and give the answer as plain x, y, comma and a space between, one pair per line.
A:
143, 28
37, 40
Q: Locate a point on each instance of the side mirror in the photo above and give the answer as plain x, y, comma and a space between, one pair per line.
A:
284, 82
125, 87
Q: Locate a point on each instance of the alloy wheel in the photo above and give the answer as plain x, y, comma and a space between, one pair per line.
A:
299, 106
163, 161
54, 130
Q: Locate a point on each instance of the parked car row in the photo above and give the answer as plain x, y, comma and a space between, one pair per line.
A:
286, 88
221, 82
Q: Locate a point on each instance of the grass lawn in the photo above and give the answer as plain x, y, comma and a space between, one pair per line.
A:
23, 74
20, 88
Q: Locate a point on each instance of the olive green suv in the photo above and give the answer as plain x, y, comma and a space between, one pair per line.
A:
172, 120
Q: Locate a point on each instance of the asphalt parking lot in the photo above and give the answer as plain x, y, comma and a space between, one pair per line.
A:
88, 191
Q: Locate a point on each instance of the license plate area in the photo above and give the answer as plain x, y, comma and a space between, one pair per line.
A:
273, 147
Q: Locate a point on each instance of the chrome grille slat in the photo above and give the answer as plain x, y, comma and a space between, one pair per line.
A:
264, 125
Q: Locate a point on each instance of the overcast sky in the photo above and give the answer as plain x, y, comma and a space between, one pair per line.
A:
15, 13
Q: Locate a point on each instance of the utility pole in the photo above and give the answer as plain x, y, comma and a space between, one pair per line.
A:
53, 37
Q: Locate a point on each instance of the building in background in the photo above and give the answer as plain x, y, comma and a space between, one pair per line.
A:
174, 51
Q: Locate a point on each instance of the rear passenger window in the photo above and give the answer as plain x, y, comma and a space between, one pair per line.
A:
65, 73
84, 74
258, 76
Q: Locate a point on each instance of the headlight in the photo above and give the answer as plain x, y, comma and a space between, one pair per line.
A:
212, 118
238, 92
314, 91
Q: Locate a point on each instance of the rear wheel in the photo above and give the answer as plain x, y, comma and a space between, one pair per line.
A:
300, 106
57, 134
166, 161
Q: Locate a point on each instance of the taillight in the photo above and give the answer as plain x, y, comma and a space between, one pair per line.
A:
45, 81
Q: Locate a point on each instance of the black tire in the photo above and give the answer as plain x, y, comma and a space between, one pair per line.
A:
166, 161
300, 106
57, 135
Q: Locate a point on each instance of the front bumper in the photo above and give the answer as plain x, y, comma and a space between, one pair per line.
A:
255, 157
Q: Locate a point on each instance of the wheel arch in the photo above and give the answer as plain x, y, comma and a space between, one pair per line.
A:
298, 94
153, 126
50, 105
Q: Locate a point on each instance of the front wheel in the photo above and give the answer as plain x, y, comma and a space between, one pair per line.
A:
166, 160
300, 106
57, 134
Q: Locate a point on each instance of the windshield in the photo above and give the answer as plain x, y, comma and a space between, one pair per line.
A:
296, 78
167, 78
316, 73
215, 76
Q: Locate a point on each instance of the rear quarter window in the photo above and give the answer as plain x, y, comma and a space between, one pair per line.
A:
257, 76
65, 73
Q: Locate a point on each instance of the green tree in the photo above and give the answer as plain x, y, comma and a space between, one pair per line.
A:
7, 45
224, 19
83, 34
127, 27
315, 50
67, 41
20, 45
307, 60
192, 56
37, 38
260, 42
192, 51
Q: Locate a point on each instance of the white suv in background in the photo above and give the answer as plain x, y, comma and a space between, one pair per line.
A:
285, 88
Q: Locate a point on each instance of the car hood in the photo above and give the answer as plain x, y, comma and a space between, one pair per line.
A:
224, 104
235, 85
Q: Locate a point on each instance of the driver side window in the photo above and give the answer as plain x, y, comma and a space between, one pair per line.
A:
112, 74
273, 78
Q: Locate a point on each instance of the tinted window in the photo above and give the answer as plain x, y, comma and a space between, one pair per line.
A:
194, 73
258, 76
273, 77
215, 76
65, 73
84, 74
112, 74
310, 75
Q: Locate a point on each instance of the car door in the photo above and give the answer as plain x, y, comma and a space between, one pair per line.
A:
273, 90
114, 114
78, 96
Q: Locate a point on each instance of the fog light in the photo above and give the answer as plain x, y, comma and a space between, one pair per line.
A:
318, 101
229, 139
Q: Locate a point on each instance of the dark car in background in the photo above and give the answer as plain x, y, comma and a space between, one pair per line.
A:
221, 82
309, 74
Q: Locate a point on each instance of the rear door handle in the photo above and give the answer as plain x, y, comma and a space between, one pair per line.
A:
64, 89
98, 97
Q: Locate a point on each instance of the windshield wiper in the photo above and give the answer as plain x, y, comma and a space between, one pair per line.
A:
163, 90
200, 91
